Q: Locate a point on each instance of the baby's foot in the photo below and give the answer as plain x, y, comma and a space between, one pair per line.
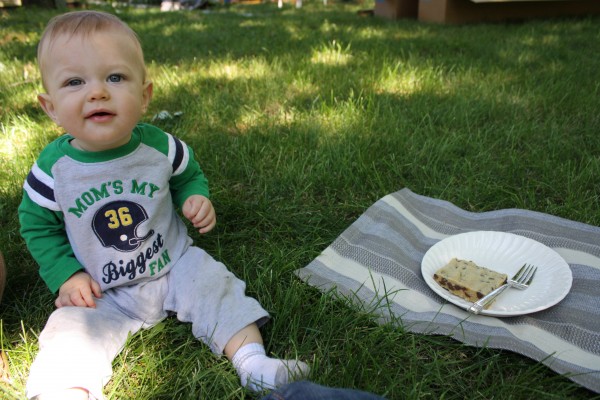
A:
258, 372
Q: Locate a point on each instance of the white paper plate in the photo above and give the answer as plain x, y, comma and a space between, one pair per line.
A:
506, 253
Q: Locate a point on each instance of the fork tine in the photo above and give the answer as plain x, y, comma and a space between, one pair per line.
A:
533, 271
527, 275
518, 274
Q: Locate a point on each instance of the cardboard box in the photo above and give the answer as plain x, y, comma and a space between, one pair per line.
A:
463, 11
10, 3
395, 9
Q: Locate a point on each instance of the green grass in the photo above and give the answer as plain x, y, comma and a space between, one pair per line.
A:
301, 119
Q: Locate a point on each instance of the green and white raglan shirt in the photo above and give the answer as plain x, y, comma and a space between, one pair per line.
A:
112, 213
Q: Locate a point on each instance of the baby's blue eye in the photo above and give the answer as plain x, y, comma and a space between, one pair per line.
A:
115, 78
74, 82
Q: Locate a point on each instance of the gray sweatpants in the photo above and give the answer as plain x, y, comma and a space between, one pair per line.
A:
78, 344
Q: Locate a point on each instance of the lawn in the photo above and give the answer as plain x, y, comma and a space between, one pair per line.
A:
301, 119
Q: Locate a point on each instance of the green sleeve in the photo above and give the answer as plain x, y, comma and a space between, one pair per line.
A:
47, 241
191, 181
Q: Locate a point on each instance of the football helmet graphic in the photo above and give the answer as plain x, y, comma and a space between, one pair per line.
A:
116, 223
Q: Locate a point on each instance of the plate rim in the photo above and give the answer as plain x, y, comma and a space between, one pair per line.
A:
464, 305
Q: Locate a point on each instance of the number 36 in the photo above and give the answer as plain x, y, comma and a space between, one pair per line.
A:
119, 217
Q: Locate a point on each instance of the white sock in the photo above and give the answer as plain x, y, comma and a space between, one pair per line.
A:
258, 372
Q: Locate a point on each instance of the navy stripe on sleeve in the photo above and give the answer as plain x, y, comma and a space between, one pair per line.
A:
178, 154
40, 187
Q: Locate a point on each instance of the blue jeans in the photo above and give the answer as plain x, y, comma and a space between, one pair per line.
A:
304, 390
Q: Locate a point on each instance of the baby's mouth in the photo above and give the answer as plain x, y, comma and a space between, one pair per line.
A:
99, 114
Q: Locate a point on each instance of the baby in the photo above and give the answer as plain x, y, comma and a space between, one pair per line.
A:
99, 216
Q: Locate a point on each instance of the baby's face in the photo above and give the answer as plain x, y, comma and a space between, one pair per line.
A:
95, 88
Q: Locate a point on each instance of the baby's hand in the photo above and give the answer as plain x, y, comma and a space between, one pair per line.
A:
79, 290
201, 213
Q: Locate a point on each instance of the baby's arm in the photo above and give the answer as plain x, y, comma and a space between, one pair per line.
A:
79, 290
201, 213
189, 189
46, 238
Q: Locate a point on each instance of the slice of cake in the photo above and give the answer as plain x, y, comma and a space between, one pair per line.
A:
468, 280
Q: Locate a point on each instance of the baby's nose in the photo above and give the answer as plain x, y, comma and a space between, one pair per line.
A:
98, 91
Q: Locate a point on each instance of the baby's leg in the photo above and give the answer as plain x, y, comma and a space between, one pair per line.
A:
77, 347
202, 291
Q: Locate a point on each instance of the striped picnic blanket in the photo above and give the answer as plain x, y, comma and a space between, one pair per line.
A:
379, 256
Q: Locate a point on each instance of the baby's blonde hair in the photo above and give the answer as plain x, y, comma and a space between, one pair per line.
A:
84, 23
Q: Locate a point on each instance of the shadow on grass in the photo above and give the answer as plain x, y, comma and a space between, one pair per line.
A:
474, 114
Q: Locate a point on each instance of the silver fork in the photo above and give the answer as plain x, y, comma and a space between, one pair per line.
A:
521, 280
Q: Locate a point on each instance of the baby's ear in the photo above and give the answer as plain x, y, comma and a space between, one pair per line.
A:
147, 95
48, 107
